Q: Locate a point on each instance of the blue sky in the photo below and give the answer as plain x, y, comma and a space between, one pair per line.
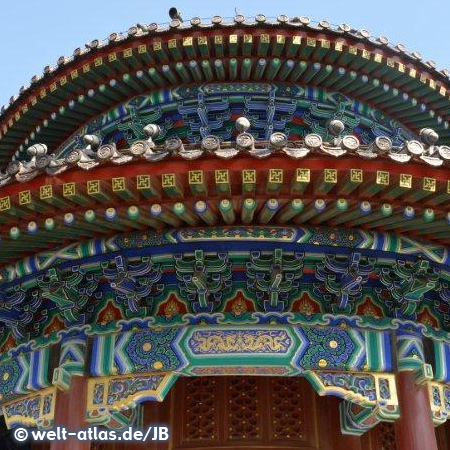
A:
35, 33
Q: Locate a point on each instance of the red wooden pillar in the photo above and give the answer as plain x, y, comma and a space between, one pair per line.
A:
339, 441
70, 412
414, 430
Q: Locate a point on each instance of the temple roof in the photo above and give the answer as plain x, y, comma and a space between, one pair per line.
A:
290, 170
161, 59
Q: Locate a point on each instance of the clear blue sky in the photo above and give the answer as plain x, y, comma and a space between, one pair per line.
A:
35, 33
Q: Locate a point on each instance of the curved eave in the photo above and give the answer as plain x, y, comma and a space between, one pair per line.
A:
399, 85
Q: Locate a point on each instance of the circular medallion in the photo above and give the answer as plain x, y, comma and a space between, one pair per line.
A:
73, 157
69, 218
323, 363
414, 147
173, 144
175, 23
313, 140
147, 347
383, 143
245, 140
278, 140
196, 21
444, 152
305, 20
152, 350
210, 143
139, 148
365, 34
105, 152
350, 142
42, 161
13, 168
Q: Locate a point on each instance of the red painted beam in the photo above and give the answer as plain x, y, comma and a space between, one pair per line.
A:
173, 165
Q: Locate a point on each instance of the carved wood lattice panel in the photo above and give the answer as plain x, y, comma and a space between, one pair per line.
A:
214, 412
387, 436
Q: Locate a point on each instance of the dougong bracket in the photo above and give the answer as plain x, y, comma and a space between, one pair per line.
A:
409, 284
344, 279
133, 282
204, 280
274, 279
69, 291
110, 398
369, 398
35, 410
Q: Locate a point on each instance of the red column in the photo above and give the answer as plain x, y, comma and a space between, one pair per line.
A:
414, 430
70, 412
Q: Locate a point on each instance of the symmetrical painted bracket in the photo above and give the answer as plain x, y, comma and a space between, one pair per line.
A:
356, 420
111, 400
440, 402
369, 398
35, 410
